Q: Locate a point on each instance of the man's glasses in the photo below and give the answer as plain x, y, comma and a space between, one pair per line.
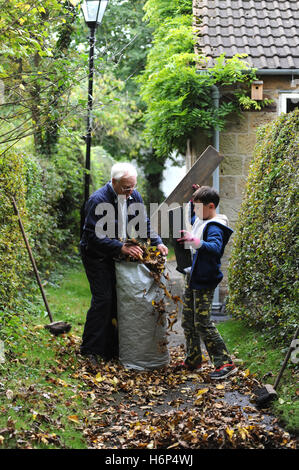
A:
127, 190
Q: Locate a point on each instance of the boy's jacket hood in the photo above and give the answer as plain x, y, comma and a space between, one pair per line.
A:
200, 226
221, 218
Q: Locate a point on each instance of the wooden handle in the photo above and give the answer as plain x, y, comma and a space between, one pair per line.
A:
32, 259
290, 350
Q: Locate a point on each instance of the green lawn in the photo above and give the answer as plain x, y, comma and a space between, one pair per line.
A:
71, 300
43, 400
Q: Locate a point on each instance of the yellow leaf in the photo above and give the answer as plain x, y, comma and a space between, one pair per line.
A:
38, 327
200, 396
229, 432
74, 418
246, 373
219, 386
201, 391
243, 432
99, 377
62, 382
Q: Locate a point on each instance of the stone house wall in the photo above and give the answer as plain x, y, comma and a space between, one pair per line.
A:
237, 144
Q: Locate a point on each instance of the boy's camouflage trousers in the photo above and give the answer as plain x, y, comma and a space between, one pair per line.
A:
197, 324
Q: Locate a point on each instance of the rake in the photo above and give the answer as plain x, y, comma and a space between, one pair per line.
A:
58, 327
268, 392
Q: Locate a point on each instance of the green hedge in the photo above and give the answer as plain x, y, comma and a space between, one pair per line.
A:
263, 274
48, 195
13, 260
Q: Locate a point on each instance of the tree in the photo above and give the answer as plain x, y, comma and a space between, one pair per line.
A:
37, 70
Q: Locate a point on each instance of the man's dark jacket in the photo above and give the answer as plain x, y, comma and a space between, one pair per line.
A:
107, 247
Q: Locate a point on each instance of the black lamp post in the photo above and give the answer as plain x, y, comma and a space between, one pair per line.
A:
93, 11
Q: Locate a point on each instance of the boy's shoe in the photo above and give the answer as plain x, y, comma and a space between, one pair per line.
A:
224, 371
184, 366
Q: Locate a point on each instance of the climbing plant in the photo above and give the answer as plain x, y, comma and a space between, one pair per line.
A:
176, 92
263, 271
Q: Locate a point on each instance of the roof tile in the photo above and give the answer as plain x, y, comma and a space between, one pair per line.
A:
267, 30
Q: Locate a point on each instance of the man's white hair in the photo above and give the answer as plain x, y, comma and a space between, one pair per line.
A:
123, 169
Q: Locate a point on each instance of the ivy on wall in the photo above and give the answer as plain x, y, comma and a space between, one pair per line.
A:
178, 97
263, 271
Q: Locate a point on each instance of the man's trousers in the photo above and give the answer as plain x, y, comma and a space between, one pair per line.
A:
100, 335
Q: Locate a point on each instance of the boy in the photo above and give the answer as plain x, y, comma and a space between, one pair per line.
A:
207, 240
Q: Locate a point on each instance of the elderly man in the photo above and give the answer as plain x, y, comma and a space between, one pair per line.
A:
98, 252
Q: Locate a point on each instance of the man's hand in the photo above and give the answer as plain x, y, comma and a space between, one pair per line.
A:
132, 250
189, 240
163, 249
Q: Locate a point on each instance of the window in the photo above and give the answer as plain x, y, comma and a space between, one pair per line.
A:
288, 101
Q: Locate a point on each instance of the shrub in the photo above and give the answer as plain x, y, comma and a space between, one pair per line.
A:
13, 262
263, 275
47, 195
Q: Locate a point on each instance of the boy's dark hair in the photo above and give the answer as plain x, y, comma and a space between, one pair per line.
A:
205, 195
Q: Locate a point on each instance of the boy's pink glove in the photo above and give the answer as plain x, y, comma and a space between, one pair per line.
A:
189, 240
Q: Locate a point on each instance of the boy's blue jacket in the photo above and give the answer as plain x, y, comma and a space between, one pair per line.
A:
108, 247
205, 271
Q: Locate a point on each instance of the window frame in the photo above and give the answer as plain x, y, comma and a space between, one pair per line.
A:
282, 100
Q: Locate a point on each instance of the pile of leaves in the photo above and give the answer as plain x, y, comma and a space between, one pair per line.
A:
175, 409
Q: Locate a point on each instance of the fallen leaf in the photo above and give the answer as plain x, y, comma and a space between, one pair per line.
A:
201, 391
229, 432
9, 394
99, 377
74, 418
